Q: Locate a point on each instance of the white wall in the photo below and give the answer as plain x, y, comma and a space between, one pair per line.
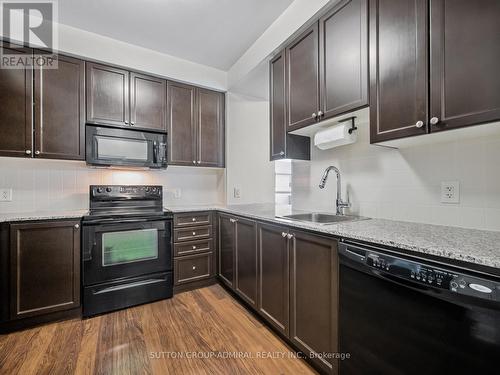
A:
48, 185
405, 184
247, 150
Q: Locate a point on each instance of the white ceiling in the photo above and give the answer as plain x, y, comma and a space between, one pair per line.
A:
210, 32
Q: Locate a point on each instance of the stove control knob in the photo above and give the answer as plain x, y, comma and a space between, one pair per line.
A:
147, 189
454, 285
99, 189
108, 189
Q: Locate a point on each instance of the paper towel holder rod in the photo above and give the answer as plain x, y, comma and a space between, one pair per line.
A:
353, 125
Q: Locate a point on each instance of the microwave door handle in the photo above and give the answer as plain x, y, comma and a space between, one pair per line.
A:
155, 153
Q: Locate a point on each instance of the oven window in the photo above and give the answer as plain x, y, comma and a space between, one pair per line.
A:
129, 246
114, 148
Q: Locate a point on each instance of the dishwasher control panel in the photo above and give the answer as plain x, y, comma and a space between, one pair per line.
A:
423, 274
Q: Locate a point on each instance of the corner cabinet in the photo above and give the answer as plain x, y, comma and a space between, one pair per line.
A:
195, 120
118, 97
456, 85
44, 268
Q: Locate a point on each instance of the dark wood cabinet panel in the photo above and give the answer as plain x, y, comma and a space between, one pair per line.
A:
192, 268
343, 51
191, 234
314, 296
273, 302
60, 110
226, 248
181, 119
246, 260
283, 145
398, 69
302, 79
148, 102
190, 219
16, 91
210, 128
107, 95
45, 268
465, 55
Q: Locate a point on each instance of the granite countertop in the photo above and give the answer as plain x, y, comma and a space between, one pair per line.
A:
468, 245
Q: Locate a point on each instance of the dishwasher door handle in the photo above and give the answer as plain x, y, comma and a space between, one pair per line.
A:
353, 255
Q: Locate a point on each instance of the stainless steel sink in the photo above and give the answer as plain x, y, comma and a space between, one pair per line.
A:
321, 218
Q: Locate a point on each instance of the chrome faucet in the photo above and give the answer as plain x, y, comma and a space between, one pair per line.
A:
339, 203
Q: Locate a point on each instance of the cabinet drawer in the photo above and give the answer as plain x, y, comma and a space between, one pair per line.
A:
192, 268
194, 233
192, 219
192, 247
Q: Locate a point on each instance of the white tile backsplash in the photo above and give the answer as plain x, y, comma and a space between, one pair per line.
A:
43, 185
405, 184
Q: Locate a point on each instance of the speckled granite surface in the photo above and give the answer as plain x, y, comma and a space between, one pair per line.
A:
469, 245
42, 215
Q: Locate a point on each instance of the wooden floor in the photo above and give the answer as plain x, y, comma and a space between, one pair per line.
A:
152, 339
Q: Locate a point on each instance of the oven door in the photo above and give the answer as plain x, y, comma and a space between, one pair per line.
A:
113, 251
120, 147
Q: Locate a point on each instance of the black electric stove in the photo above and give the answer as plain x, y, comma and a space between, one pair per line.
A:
126, 248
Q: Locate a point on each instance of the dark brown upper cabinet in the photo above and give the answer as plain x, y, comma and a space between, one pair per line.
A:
181, 111
45, 268
283, 145
195, 126
210, 128
465, 53
107, 95
246, 260
60, 110
226, 249
274, 265
117, 97
314, 297
343, 58
16, 98
327, 66
148, 102
302, 79
398, 69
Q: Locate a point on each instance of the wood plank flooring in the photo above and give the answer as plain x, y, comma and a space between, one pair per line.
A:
204, 331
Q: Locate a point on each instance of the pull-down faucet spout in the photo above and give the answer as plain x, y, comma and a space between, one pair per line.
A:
339, 203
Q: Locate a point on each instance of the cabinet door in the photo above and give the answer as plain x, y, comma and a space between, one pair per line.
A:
273, 302
227, 243
246, 260
107, 95
16, 91
60, 110
45, 267
314, 297
465, 53
210, 129
398, 69
277, 106
181, 123
343, 51
302, 79
148, 102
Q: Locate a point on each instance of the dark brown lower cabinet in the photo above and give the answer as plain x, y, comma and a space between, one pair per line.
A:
314, 297
274, 276
226, 238
44, 267
246, 260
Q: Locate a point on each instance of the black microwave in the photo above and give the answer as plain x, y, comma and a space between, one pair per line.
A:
125, 148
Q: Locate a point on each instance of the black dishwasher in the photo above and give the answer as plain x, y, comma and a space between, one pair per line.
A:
405, 315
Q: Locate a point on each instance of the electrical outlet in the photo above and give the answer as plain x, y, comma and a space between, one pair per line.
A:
450, 192
5, 195
177, 193
237, 192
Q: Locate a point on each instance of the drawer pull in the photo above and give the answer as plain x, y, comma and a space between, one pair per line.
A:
194, 267
194, 233
194, 247
194, 219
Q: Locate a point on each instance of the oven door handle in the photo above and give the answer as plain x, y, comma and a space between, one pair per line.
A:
129, 285
89, 243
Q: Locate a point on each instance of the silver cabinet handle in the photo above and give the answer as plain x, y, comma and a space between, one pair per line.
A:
77, 226
233, 220
193, 219
289, 236
282, 153
194, 247
194, 267
199, 161
320, 114
126, 122
194, 161
132, 122
283, 234
37, 152
419, 124
434, 120
194, 233
314, 115
27, 152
